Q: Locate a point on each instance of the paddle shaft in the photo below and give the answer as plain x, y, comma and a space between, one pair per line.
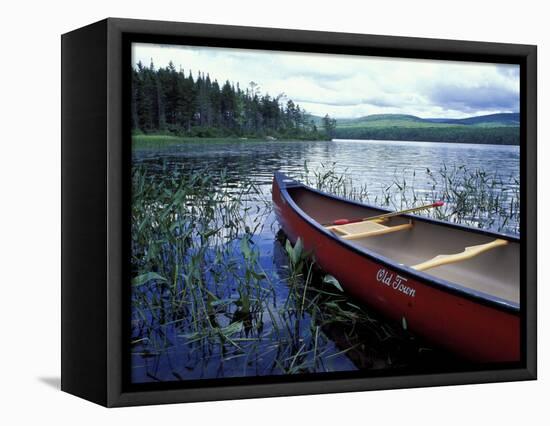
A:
387, 215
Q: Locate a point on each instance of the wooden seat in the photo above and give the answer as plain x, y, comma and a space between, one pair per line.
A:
353, 231
468, 253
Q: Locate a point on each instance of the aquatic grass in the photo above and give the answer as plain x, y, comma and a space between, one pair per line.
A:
202, 297
198, 281
333, 317
472, 197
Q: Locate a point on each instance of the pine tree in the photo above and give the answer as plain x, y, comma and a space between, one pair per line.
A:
330, 125
165, 99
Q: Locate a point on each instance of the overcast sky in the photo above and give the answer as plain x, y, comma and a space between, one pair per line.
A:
353, 86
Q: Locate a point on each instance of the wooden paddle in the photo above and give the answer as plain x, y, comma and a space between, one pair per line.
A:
386, 215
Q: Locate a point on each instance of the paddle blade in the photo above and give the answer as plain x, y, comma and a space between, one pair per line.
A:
438, 204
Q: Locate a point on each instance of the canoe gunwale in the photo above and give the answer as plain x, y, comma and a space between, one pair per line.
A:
284, 183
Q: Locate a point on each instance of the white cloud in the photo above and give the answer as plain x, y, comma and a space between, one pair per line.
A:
352, 86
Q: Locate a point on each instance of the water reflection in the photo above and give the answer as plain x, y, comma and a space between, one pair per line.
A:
374, 164
284, 339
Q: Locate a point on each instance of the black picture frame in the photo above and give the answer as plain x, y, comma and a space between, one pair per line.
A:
95, 204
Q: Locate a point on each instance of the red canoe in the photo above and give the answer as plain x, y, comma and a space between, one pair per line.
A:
454, 285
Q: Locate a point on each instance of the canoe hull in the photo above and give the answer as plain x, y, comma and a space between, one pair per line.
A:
476, 331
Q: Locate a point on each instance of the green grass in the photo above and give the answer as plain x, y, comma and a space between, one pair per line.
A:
161, 141
158, 141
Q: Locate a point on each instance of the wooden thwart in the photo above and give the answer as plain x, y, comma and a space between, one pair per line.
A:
358, 230
468, 253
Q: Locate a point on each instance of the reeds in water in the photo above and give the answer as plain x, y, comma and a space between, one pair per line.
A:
210, 300
472, 197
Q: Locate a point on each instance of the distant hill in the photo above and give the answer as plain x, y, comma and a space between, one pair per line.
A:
377, 118
499, 129
504, 119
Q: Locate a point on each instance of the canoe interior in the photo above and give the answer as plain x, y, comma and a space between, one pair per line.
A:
495, 272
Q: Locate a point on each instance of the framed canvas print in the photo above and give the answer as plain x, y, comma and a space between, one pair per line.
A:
253, 212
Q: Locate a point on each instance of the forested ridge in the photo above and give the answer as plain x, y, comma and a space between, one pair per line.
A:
458, 134
166, 100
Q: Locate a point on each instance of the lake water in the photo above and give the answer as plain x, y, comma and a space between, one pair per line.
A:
375, 165
380, 169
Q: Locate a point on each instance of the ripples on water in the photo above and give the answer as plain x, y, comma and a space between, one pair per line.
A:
375, 164
372, 163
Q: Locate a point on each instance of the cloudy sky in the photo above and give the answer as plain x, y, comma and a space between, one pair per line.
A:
353, 86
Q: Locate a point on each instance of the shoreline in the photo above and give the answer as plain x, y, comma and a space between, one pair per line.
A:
159, 141
155, 141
